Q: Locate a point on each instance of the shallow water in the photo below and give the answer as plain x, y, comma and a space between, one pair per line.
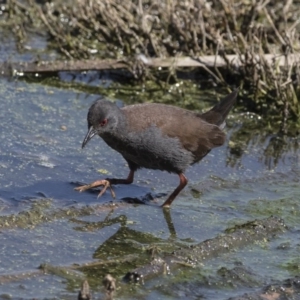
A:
41, 160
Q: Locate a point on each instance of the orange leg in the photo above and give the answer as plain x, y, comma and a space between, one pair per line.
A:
107, 183
183, 182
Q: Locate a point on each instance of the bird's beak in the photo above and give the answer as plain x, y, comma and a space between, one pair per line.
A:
91, 132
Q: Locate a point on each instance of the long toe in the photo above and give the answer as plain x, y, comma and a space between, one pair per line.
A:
106, 183
94, 184
82, 188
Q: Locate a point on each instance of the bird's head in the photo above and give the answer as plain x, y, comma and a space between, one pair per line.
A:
102, 118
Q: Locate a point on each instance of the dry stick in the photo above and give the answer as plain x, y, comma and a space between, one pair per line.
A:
210, 61
263, 4
203, 31
44, 19
219, 75
293, 26
273, 26
286, 8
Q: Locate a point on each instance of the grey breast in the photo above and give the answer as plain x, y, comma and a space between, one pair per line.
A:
154, 150
151, 149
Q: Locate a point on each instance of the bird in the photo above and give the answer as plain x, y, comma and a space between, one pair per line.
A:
156, 136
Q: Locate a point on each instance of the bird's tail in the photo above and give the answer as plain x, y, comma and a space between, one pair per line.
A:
219, 112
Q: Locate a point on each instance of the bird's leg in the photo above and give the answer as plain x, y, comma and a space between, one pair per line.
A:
182, 184
107, 183
128, 180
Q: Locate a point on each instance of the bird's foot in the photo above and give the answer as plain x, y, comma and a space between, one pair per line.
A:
104, 182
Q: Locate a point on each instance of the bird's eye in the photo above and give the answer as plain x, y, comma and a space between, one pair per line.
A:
103, 122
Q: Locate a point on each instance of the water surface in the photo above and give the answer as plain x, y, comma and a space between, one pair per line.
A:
41, 160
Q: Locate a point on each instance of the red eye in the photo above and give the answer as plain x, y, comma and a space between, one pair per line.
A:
103, 122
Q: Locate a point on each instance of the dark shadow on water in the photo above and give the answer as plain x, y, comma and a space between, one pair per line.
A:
65, 194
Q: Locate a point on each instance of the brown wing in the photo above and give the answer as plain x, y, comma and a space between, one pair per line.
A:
195, 134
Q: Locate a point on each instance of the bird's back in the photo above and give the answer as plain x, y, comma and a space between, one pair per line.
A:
165, 126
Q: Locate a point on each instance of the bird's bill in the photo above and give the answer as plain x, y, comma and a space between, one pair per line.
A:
91, 132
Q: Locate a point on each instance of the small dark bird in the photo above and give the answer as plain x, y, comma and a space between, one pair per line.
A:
157, 136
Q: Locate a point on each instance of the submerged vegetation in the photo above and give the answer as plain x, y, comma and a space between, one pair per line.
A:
127, 29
